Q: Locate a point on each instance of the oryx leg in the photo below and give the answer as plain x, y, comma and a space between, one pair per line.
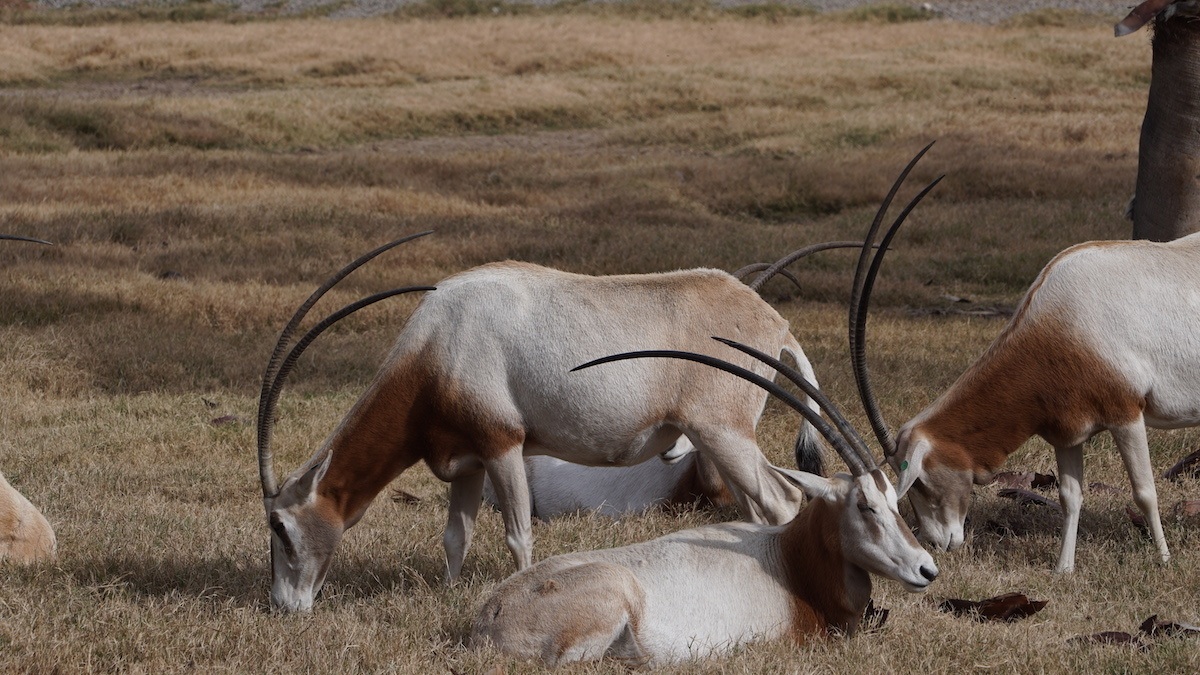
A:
1135, 452
466, 492
507, 472
759, 491
1070, 494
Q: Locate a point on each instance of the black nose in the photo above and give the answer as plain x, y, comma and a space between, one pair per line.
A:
929, 573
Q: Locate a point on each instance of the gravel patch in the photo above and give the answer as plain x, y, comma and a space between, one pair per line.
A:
973, 11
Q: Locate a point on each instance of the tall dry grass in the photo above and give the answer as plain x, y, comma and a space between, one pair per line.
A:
200, 178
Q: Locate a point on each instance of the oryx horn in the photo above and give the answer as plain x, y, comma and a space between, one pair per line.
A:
864, 281
839, 443
778, 266
742, 272
839, 420
14, 237
275, 371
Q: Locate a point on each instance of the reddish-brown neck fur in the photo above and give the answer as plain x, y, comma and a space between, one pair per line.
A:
408, 415
817, 574
371, 448
1034, 379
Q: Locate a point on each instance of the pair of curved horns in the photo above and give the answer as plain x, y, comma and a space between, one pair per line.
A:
769, 270
845, 440
279, 366
860, 298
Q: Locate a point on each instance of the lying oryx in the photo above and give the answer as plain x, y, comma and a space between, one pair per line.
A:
1106, 339
711, 589
25, 534
558, 488
479, 377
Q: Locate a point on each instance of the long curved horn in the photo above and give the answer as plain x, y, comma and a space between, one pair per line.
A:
14, 237
265, 470
302, 344
844, 427
839, 443
742, 272
796, 255
864, 281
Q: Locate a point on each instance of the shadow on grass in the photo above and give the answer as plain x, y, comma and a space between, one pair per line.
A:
1033, 533
245, 581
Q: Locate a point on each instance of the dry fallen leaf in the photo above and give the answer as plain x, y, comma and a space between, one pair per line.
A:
1138, 520
401, 497
1188, 466
1027, 498
873, 617
1007, 607
1044, 481
1155, 628
1112, 637
1014, 479
1026, 480
1186, 509
1105, 488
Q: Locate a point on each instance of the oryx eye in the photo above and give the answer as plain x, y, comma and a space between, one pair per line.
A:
864, 507
280, 531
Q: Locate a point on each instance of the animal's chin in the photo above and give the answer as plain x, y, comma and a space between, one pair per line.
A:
938, 544
291, 607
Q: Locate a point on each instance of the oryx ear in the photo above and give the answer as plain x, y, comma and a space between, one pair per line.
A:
908, 462
307, 483
812, 485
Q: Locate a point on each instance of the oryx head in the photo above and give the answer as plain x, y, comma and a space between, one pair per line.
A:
940, 494
305, 525
873, 536
939, 491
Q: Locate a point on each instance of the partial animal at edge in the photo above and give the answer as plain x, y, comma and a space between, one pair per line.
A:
1106, 339
25, 534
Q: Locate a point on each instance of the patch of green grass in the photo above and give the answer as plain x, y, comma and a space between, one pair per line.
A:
628, 9
770, 11
83, 15
861, 137
887, 13
456, 9
1055, 18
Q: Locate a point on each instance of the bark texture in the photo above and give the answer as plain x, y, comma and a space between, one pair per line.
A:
1167, 204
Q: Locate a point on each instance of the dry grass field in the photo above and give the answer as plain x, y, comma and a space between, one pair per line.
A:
200, 178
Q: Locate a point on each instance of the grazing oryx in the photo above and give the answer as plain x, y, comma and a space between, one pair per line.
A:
1106, 339
710, 589
25, 534
558, 488
479, 377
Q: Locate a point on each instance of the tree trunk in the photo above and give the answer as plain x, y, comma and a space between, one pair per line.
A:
1167, 201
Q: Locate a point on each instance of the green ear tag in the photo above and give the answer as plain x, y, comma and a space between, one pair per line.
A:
904, 465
